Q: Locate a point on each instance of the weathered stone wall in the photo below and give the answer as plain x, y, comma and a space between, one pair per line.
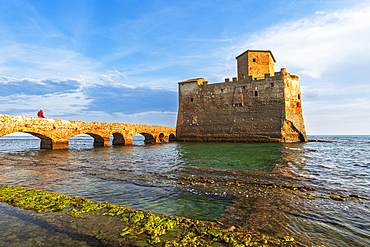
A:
244, 110
256, 64
260, 105
54, 133
294, 125
250, 110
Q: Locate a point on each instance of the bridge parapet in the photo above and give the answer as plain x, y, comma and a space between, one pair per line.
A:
54, 133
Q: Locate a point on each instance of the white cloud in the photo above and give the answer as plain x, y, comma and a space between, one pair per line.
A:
38, 64
112, 75
309, 93
73, 106
331, 52
161, 118
57, 104
40, 81
320, 12
316, 44
325, 118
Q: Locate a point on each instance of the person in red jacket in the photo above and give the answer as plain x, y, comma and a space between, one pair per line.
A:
40, 113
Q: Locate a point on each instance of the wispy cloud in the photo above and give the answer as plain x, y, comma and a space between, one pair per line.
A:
330, 51
316, 44
161, 118
350, 117
38, 62
55, 105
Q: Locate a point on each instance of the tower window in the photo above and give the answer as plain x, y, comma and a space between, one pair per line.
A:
222, 90
297, 104
191, 99
299, 96
256, 93
254, 60
271, 85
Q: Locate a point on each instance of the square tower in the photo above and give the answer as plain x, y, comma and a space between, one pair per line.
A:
255, 63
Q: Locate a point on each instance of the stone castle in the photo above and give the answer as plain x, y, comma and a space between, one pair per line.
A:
259, 105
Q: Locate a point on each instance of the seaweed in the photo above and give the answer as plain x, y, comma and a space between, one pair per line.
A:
140, 228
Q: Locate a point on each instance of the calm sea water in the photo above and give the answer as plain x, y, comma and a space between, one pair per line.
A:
142, 176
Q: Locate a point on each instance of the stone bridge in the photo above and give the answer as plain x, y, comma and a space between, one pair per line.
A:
54, 133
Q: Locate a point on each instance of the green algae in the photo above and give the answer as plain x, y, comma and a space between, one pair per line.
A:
138, 228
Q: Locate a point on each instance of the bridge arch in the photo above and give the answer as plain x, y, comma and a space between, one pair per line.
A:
46, 142
149, 138
172, 137
33, 131
99, 141
45, 137
118, 139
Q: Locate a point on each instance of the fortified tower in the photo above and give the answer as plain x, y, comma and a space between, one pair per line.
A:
259, 106
255, 63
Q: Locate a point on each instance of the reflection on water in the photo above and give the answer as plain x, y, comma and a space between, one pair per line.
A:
238, 156
18, 144
145, 177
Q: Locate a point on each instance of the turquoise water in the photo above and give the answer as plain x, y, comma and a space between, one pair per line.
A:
143, 177
236, 156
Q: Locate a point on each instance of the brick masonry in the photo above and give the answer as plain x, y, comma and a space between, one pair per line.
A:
54, 133
249, 109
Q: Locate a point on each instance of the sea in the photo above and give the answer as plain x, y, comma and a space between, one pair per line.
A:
142, 176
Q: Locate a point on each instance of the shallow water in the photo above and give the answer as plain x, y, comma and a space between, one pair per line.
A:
18, 230
144, 177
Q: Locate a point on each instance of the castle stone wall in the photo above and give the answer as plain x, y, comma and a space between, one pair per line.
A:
255, 63
294, 125
244, 110
260, 106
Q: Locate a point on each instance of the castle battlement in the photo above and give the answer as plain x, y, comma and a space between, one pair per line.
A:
251, 107
248, 79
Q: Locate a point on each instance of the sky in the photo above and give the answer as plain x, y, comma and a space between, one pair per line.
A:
121, 61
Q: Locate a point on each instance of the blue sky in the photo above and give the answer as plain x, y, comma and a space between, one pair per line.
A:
120, 61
